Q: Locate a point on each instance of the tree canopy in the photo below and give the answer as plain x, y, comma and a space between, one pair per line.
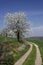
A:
18, 23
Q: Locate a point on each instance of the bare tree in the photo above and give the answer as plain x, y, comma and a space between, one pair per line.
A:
18, 23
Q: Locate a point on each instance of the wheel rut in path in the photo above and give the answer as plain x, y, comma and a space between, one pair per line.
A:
24, 57
38, 60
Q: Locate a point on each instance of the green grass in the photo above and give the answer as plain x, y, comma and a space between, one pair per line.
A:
31, 58
20, 54
39, 42
12, 43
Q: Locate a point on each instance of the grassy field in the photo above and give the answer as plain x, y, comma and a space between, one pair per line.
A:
12, 45
31, 58
39, 42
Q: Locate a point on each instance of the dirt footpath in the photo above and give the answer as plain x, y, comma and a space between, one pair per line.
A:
38, 60
23, 58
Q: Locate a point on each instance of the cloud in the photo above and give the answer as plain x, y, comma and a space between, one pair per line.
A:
37, 31
38, 28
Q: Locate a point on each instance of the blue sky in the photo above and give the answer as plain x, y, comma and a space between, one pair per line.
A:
33, 9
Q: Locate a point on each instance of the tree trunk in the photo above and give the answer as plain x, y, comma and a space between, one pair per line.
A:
18, 37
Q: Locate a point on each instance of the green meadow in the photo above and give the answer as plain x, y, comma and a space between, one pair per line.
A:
11, 45
39, 42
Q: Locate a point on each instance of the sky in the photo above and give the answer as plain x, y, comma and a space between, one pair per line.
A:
33, 9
